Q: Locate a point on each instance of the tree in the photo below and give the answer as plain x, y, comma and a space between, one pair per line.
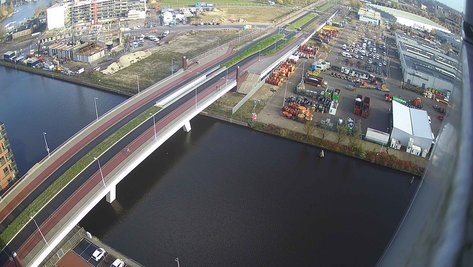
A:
341, 133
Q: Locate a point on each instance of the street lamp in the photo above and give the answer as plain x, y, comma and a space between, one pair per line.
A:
196, 98
46, 143
96, 110
226, 78
138, 83
101, 173
154, 126
39, 229
285, 90
172, 66
177, 260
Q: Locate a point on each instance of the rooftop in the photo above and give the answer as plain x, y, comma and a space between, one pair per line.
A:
369, 13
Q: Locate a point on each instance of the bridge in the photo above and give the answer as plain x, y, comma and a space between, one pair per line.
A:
89, 165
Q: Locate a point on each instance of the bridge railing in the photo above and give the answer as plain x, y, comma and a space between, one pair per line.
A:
84, 129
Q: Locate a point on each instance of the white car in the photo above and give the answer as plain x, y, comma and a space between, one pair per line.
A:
428, 117
98, 254
385, 63
118, 263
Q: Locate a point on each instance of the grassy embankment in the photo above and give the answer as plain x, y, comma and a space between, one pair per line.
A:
301, 22
327, 6
21, 220
261, 45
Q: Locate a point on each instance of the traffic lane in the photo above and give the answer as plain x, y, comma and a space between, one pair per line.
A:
116, 159
24, 235
42, 215
34, 187
30, 237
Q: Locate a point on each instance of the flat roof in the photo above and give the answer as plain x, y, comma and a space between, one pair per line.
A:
420, 123
369, 13
425, 68
401, 117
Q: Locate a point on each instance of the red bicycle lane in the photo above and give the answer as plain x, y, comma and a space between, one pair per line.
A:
70, 152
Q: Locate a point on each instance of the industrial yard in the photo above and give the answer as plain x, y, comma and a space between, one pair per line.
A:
342, 81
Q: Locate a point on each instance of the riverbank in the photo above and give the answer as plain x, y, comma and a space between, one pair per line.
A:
346, 145
68, 78
311, 134
351, 146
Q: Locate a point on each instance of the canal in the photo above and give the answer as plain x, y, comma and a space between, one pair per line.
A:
221, 195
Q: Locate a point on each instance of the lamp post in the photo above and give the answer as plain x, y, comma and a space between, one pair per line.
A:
285, 91
226, 78
46, 143
154, 126
196, 98
39, 229
96, 110
172, 66
178, 264
101, 173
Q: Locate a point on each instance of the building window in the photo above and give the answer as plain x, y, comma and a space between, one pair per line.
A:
6, 171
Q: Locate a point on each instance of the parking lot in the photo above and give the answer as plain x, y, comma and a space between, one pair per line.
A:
85, 249
353, 35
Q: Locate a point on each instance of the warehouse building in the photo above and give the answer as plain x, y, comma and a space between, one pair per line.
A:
425, 65
369, 16
410, 129
82, 52
87, 11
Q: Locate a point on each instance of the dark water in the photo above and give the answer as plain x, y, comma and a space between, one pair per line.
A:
32, 104
221, 195
227, 196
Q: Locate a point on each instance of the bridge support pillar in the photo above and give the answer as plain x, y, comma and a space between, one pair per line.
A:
187, 127
112, 195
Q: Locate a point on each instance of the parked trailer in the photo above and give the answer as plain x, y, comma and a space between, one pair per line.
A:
366, 107
317, 81
377, 137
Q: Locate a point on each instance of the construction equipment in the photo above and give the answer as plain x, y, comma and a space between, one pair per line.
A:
416, 103
366, 107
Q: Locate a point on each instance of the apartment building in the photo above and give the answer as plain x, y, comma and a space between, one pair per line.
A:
87, 11
8, 169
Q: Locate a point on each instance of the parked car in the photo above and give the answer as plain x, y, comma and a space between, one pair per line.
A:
118, 263
98, 254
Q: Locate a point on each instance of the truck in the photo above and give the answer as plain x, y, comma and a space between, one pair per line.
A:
358, 104
321, 65
366, 107
317, 81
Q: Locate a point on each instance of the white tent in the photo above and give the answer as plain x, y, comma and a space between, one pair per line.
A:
411, 123
402, 129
